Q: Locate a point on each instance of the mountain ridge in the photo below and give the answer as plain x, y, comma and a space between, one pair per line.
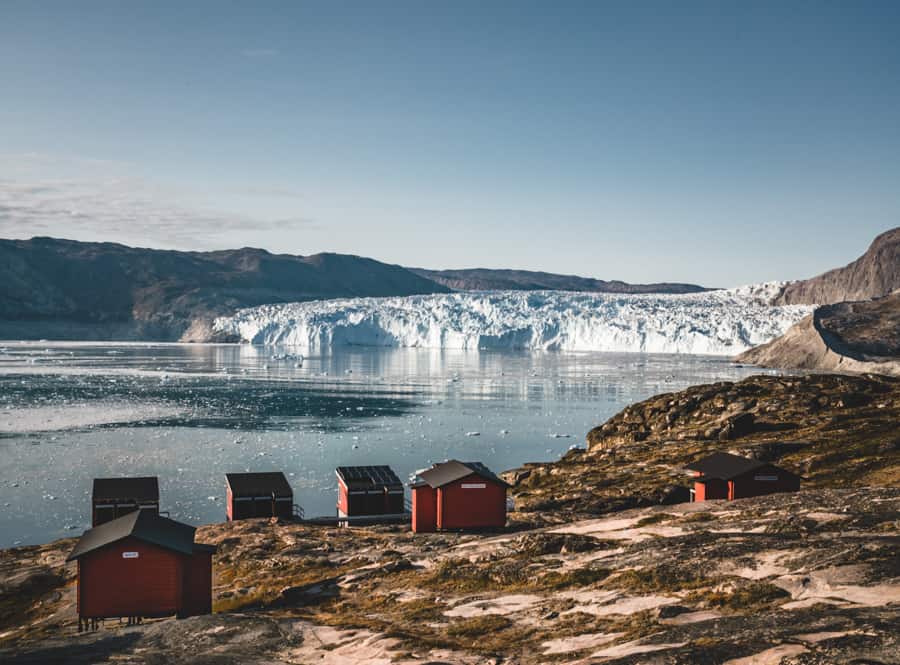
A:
67, 289
874, 274
502, 279
58, 285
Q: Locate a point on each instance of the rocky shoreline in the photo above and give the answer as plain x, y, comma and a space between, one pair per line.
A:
599, 563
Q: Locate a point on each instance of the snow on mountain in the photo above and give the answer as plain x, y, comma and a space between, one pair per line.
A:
722, 322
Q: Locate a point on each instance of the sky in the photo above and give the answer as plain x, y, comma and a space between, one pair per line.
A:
719, 143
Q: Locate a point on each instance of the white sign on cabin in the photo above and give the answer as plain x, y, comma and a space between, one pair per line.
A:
769, 478
473, 486
130, 555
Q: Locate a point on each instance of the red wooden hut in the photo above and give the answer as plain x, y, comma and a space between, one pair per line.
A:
458, 495
142, 565
114, 497
369, 493
266, 494
727, 476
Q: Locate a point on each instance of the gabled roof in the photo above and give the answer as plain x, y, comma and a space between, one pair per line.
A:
144, 488
368, 476
725, 466
259, 484
144, 525
450, 471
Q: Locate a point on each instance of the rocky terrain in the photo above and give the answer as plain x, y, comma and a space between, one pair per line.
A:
873, 275
812, 576
64, 289
600, 563
845, 337
482, 279
833, 430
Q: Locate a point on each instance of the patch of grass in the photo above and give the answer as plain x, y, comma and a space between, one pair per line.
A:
705, 516
661, 578
463, 576
478, 626
653, 519
754, 595
579, 577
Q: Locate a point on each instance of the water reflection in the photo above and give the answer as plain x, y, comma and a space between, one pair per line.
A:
191, 413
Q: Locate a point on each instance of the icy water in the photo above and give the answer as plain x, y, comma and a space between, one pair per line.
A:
70, 412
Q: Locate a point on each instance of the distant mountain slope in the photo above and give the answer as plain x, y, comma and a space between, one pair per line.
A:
485, 279
858, 337
66, 289
876, 273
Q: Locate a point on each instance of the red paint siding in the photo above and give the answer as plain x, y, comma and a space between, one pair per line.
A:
112, 586
713, 488
460, 507
229, 509
424, 507
198, 585
343, 502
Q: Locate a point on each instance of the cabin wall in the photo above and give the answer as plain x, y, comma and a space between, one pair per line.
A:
111, 585
198, 585
759, 482
713, 488
472, 502
103, 511
229, 508
241, 508
424, 509
343, 503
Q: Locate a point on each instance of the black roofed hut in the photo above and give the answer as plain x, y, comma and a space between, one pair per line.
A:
369, 491
726, 476
261, 494
114, 497
142, 565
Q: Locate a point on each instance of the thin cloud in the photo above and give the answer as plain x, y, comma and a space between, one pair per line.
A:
122, 209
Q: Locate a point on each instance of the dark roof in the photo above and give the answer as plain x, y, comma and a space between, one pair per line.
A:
144, 525
138, 489
259, 484
725, 466
452, 470
368, 476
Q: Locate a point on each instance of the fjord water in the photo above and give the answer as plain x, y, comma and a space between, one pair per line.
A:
70, 412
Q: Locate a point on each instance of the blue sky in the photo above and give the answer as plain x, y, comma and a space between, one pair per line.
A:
711, 142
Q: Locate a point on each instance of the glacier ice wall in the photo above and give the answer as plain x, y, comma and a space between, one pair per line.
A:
722, 322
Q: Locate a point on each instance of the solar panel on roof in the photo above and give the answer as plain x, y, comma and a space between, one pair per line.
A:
380, 475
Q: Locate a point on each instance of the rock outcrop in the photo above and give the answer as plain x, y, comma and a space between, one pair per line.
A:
858, 337
873, 275
831, 429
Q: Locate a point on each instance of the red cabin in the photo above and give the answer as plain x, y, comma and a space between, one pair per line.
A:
114, 497
369, 493
458, 495
142, 565
727, 476
265, 494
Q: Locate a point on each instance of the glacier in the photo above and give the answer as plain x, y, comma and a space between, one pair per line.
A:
722, 322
